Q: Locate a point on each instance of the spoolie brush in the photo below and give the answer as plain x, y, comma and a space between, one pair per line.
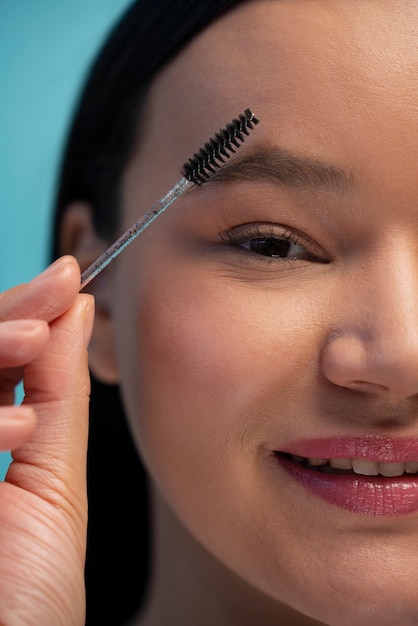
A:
203, 163
196, 171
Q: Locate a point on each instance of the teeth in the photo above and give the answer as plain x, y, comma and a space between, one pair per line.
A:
391, 469
314, 461
366, 467
411, 468
344, 464
362, 466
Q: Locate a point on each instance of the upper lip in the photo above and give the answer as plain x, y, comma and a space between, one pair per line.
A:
373, 447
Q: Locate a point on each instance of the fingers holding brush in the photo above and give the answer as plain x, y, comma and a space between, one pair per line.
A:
25, 314
45, 327
28, 314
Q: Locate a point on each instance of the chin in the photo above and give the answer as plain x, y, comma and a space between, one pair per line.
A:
367, 600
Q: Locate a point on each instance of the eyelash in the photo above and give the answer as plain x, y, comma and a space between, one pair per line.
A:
270, 235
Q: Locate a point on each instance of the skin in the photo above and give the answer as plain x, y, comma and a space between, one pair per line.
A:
44, 328
224, 356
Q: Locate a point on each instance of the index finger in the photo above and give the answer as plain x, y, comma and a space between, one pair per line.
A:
47, 296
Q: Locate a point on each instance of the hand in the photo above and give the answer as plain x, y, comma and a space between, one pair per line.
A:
45, 326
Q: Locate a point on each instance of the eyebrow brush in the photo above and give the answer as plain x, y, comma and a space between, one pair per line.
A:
196, 171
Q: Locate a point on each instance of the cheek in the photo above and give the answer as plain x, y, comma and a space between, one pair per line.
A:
208, 369
207, 364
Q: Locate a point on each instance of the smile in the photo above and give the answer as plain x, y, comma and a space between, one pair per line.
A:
367, 475
362, 466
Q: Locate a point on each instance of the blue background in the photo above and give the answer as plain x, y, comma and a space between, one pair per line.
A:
45, 49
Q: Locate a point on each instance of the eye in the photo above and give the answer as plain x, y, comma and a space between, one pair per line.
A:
274, 243
275, 247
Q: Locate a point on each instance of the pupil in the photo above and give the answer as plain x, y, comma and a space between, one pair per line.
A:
271, 247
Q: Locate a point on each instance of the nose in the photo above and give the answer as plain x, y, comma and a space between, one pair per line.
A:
372, 344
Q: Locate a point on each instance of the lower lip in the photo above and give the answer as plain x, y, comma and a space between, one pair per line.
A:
366, 495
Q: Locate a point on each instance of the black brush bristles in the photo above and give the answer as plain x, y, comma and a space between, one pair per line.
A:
199, 168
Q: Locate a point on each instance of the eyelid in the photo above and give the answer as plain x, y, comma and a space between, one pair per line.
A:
265, 230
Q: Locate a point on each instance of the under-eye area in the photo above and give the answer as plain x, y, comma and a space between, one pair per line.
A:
361, 466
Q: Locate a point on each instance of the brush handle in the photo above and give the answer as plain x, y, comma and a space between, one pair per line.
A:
136, 229
196, 171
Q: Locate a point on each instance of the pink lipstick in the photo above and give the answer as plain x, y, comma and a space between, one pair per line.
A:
367, 475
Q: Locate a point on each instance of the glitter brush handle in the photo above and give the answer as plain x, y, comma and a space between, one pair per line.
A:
136, 229
196, 171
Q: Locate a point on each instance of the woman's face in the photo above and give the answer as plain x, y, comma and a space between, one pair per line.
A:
275, 311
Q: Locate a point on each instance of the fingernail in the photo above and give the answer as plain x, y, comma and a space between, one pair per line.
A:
55, 267
88, 319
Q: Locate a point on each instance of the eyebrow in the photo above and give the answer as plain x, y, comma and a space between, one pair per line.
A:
286, 169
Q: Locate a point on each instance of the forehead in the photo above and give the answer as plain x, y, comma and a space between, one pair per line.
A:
324, 76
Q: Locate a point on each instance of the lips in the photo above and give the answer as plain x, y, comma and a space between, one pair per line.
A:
374, 448
362, 466
365, 475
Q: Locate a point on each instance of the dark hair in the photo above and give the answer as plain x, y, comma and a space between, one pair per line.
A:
100, 141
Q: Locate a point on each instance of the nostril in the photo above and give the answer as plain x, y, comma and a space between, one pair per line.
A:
369, 387
377, 365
